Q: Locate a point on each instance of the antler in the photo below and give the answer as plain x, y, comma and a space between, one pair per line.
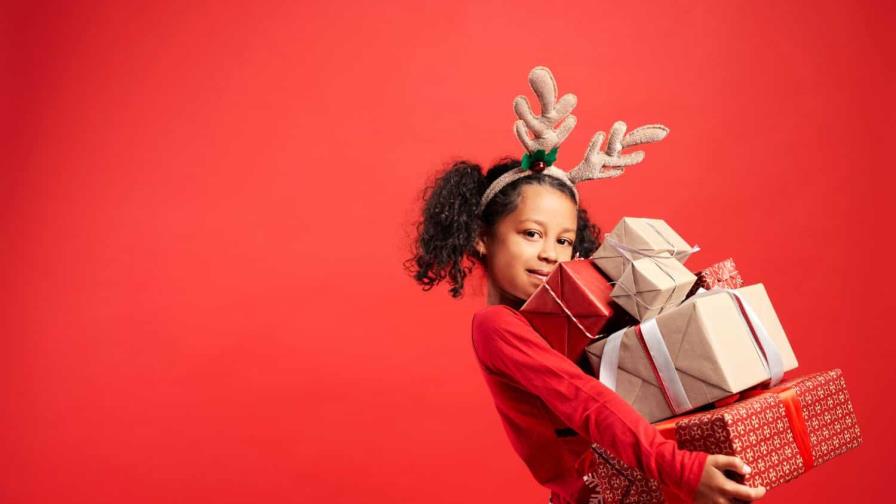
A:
598, 165
546, 137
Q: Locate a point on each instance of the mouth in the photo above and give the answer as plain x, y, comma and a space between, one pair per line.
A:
539, 274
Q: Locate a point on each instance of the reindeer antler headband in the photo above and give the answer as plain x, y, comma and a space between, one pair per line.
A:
541, 151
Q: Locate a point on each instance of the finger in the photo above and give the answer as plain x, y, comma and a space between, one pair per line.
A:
725, 462
614, 145
566, 127
594, 147
520, 128
645, 134
545, 87
742, 492
524, 112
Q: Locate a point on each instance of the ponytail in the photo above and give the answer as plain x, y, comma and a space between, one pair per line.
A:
447, 232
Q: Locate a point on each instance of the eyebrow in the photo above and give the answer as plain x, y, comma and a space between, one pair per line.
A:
542, 224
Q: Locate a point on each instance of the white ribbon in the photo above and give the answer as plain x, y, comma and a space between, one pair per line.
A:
669, 380
609, 361
636, 297
628, 252
675, 252
766, 348
566, 310
659, 354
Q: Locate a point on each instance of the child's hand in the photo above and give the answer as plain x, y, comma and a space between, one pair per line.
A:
716, 488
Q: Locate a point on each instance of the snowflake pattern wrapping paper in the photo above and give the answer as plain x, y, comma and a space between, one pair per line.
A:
780, 433
723, 275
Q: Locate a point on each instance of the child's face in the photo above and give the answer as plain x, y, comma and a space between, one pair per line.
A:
527, 244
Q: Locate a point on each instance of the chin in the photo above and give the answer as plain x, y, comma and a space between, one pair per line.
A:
514, 299
517, 295
528, 293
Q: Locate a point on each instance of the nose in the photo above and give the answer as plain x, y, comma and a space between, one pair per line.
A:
548, 252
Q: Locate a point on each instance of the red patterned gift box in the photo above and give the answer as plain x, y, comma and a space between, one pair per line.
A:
821, 402
723, 275
780, 433
570, 307
609, 480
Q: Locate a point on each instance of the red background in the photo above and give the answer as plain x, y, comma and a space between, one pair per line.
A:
205, 208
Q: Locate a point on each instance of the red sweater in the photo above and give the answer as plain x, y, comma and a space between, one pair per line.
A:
540, 395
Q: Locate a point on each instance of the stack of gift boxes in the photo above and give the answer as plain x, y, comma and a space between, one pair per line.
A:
699, 354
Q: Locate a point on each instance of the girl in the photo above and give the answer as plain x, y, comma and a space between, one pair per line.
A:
518, 222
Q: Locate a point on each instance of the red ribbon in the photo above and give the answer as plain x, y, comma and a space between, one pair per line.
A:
656, 372
746, 318
793, 408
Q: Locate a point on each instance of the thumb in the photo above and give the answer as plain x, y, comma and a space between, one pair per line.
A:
725, 462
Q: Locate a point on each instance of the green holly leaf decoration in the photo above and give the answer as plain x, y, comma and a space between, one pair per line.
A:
551, 157
539, 155
526, 162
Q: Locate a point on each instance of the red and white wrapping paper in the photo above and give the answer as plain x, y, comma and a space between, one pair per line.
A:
780, 433
721, 275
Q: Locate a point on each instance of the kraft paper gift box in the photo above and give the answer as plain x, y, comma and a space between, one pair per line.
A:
580, 288
723, 275
650, 286
780, 433
713, 345
639, 237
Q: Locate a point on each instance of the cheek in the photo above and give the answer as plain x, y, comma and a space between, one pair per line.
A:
519, 251
508, 260
510, 276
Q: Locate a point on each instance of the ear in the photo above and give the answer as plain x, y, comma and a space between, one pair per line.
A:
480, 245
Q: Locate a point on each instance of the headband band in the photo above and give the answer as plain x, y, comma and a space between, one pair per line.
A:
518, 173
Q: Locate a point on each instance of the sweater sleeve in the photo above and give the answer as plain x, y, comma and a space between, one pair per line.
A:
507, 346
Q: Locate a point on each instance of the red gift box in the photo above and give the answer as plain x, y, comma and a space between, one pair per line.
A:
723, 275
821, 402
780, 433
609, 480
571, 307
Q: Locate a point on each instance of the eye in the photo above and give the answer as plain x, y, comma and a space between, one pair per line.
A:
565, 241
531, 233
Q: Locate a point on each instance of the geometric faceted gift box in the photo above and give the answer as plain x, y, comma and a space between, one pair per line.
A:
780, 433
715, 344
634, 238
571, 307
650, 286
723, 275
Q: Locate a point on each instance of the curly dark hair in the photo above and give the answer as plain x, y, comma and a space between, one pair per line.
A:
447, 232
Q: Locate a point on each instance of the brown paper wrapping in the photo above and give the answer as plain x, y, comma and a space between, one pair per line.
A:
649, 236
712, 349
652, 286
